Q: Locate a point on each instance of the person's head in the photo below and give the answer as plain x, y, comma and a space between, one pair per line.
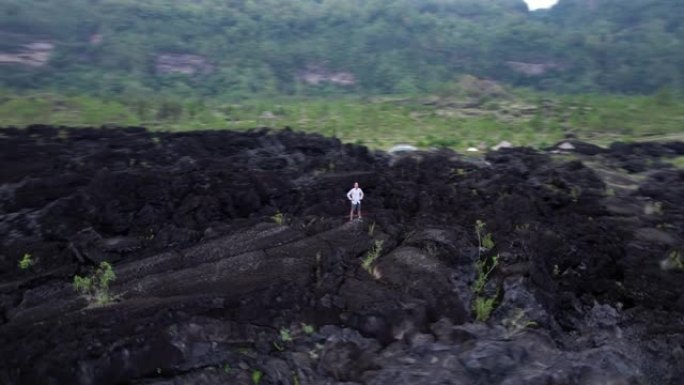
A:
356, 184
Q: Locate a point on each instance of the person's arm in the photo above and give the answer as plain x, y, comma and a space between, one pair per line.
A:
360, 194
349, 194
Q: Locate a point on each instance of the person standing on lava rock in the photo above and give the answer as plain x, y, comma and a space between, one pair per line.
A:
355, 195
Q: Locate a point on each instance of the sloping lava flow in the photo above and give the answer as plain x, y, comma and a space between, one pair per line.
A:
136, 257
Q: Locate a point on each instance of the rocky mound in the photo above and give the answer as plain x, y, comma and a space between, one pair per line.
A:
235, 262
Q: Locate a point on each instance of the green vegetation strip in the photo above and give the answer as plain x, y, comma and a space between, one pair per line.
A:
451, 120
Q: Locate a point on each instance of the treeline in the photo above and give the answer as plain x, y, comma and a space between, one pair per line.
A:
275, 47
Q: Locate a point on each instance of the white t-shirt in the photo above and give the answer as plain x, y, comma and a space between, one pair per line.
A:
355, 195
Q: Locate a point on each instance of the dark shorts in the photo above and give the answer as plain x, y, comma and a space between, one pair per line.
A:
356, 206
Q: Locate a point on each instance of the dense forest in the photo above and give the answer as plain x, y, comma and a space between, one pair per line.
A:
315, 47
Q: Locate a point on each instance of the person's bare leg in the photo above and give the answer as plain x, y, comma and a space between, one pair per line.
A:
351, 213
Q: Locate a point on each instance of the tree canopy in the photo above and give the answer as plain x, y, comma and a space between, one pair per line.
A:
247, 47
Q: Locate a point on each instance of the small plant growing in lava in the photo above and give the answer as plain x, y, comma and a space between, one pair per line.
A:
517, 322
25, 262
278, 218
308, 329
372, 256
673, 261
256, 376
482, 305
371, 229
96, 286
285, 335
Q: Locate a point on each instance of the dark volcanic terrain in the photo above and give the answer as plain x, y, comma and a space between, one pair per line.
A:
235, 262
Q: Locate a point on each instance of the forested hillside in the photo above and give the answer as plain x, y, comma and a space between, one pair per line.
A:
274, 47
629, 46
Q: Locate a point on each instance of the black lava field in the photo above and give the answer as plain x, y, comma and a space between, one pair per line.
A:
236, 262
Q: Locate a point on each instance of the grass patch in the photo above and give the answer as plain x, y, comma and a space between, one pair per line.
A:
523, 118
